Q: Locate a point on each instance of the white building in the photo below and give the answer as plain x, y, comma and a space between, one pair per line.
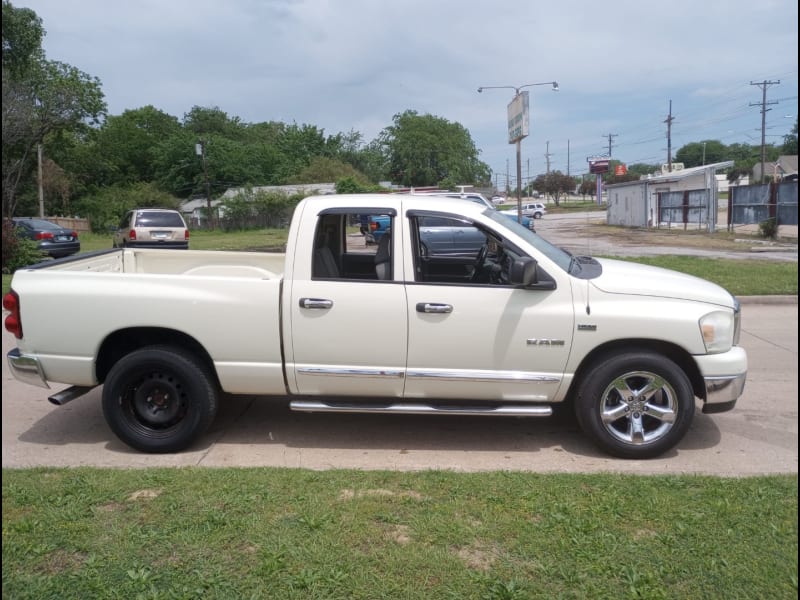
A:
635, 203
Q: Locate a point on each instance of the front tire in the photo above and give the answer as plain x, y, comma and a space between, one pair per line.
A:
159, 399
635, 404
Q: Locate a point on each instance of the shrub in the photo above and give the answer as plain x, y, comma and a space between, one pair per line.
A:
18, 252
768, 228
105, 208
350, 185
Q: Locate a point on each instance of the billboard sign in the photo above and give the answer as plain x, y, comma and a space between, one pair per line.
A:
518, 119
620, 169
598, 166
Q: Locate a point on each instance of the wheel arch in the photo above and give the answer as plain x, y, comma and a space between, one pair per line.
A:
669, 350
124, 341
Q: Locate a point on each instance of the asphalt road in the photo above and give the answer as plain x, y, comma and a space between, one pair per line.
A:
759, 436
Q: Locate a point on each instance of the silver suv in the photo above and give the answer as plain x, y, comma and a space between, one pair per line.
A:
152, 228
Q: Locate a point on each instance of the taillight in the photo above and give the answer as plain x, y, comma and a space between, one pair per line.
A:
44, 235
132, 234
186, 234
13, 322
75, 234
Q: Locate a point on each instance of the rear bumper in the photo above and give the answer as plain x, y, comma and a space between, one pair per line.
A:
156, 244
59, 250
27, 369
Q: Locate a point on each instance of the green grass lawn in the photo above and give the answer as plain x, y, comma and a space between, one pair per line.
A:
288, 533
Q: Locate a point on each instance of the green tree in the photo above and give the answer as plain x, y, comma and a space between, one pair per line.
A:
40, 98
327, 170
554, 183
697, 154
299, 144
22, 40
790, 141
640, 169
207, 121
423, 150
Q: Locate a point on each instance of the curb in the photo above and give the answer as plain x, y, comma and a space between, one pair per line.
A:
767, 299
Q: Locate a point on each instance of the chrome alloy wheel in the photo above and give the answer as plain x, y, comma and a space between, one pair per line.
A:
638, 408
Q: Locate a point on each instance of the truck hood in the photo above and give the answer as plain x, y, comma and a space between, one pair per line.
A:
620, 277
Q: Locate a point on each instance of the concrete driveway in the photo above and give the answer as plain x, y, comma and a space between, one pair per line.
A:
759, 436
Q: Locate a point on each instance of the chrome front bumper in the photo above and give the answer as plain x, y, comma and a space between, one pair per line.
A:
722, 392
26, 368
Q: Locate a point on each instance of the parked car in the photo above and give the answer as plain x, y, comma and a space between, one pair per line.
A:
374, 227
54, 240
152, 228
535, 210
481, 199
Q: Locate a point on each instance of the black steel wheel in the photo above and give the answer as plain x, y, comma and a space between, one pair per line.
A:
635, 404
159, 399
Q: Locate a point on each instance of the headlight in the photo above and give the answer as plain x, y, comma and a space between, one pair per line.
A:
717, 329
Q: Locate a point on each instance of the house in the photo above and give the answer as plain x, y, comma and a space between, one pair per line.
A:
635, 203
783, 169
195, 211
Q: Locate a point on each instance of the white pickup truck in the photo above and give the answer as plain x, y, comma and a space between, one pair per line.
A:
429, 322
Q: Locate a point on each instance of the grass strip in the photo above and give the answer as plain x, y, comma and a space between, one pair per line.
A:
285, 533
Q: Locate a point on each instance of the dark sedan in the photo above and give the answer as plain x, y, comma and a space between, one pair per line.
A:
50, 238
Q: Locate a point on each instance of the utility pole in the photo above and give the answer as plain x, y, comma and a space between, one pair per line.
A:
40, 179
610, 137
669, 121
528, 172
547, 156
567, 158
763, 104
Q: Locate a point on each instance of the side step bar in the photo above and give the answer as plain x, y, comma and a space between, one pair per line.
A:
424, 409
69, 394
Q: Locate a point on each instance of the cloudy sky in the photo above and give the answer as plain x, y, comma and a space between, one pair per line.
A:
347, 65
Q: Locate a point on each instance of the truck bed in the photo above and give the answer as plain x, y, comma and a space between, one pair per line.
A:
228, 302
260, 265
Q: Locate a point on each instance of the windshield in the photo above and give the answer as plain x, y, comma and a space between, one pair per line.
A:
557, 255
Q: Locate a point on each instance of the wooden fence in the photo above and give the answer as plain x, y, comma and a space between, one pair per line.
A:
79, 225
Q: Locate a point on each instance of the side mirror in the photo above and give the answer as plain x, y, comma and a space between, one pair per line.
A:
524, 272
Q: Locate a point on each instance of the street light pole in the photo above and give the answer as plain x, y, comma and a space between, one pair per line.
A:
517, 139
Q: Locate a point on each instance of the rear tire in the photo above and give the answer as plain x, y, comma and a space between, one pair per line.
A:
159, 399
635, 404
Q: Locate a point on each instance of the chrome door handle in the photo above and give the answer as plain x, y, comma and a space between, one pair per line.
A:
433, 307
315, 303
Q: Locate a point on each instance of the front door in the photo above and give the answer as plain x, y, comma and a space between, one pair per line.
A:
348, 332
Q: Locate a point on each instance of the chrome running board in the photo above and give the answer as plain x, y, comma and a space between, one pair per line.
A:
518, 410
